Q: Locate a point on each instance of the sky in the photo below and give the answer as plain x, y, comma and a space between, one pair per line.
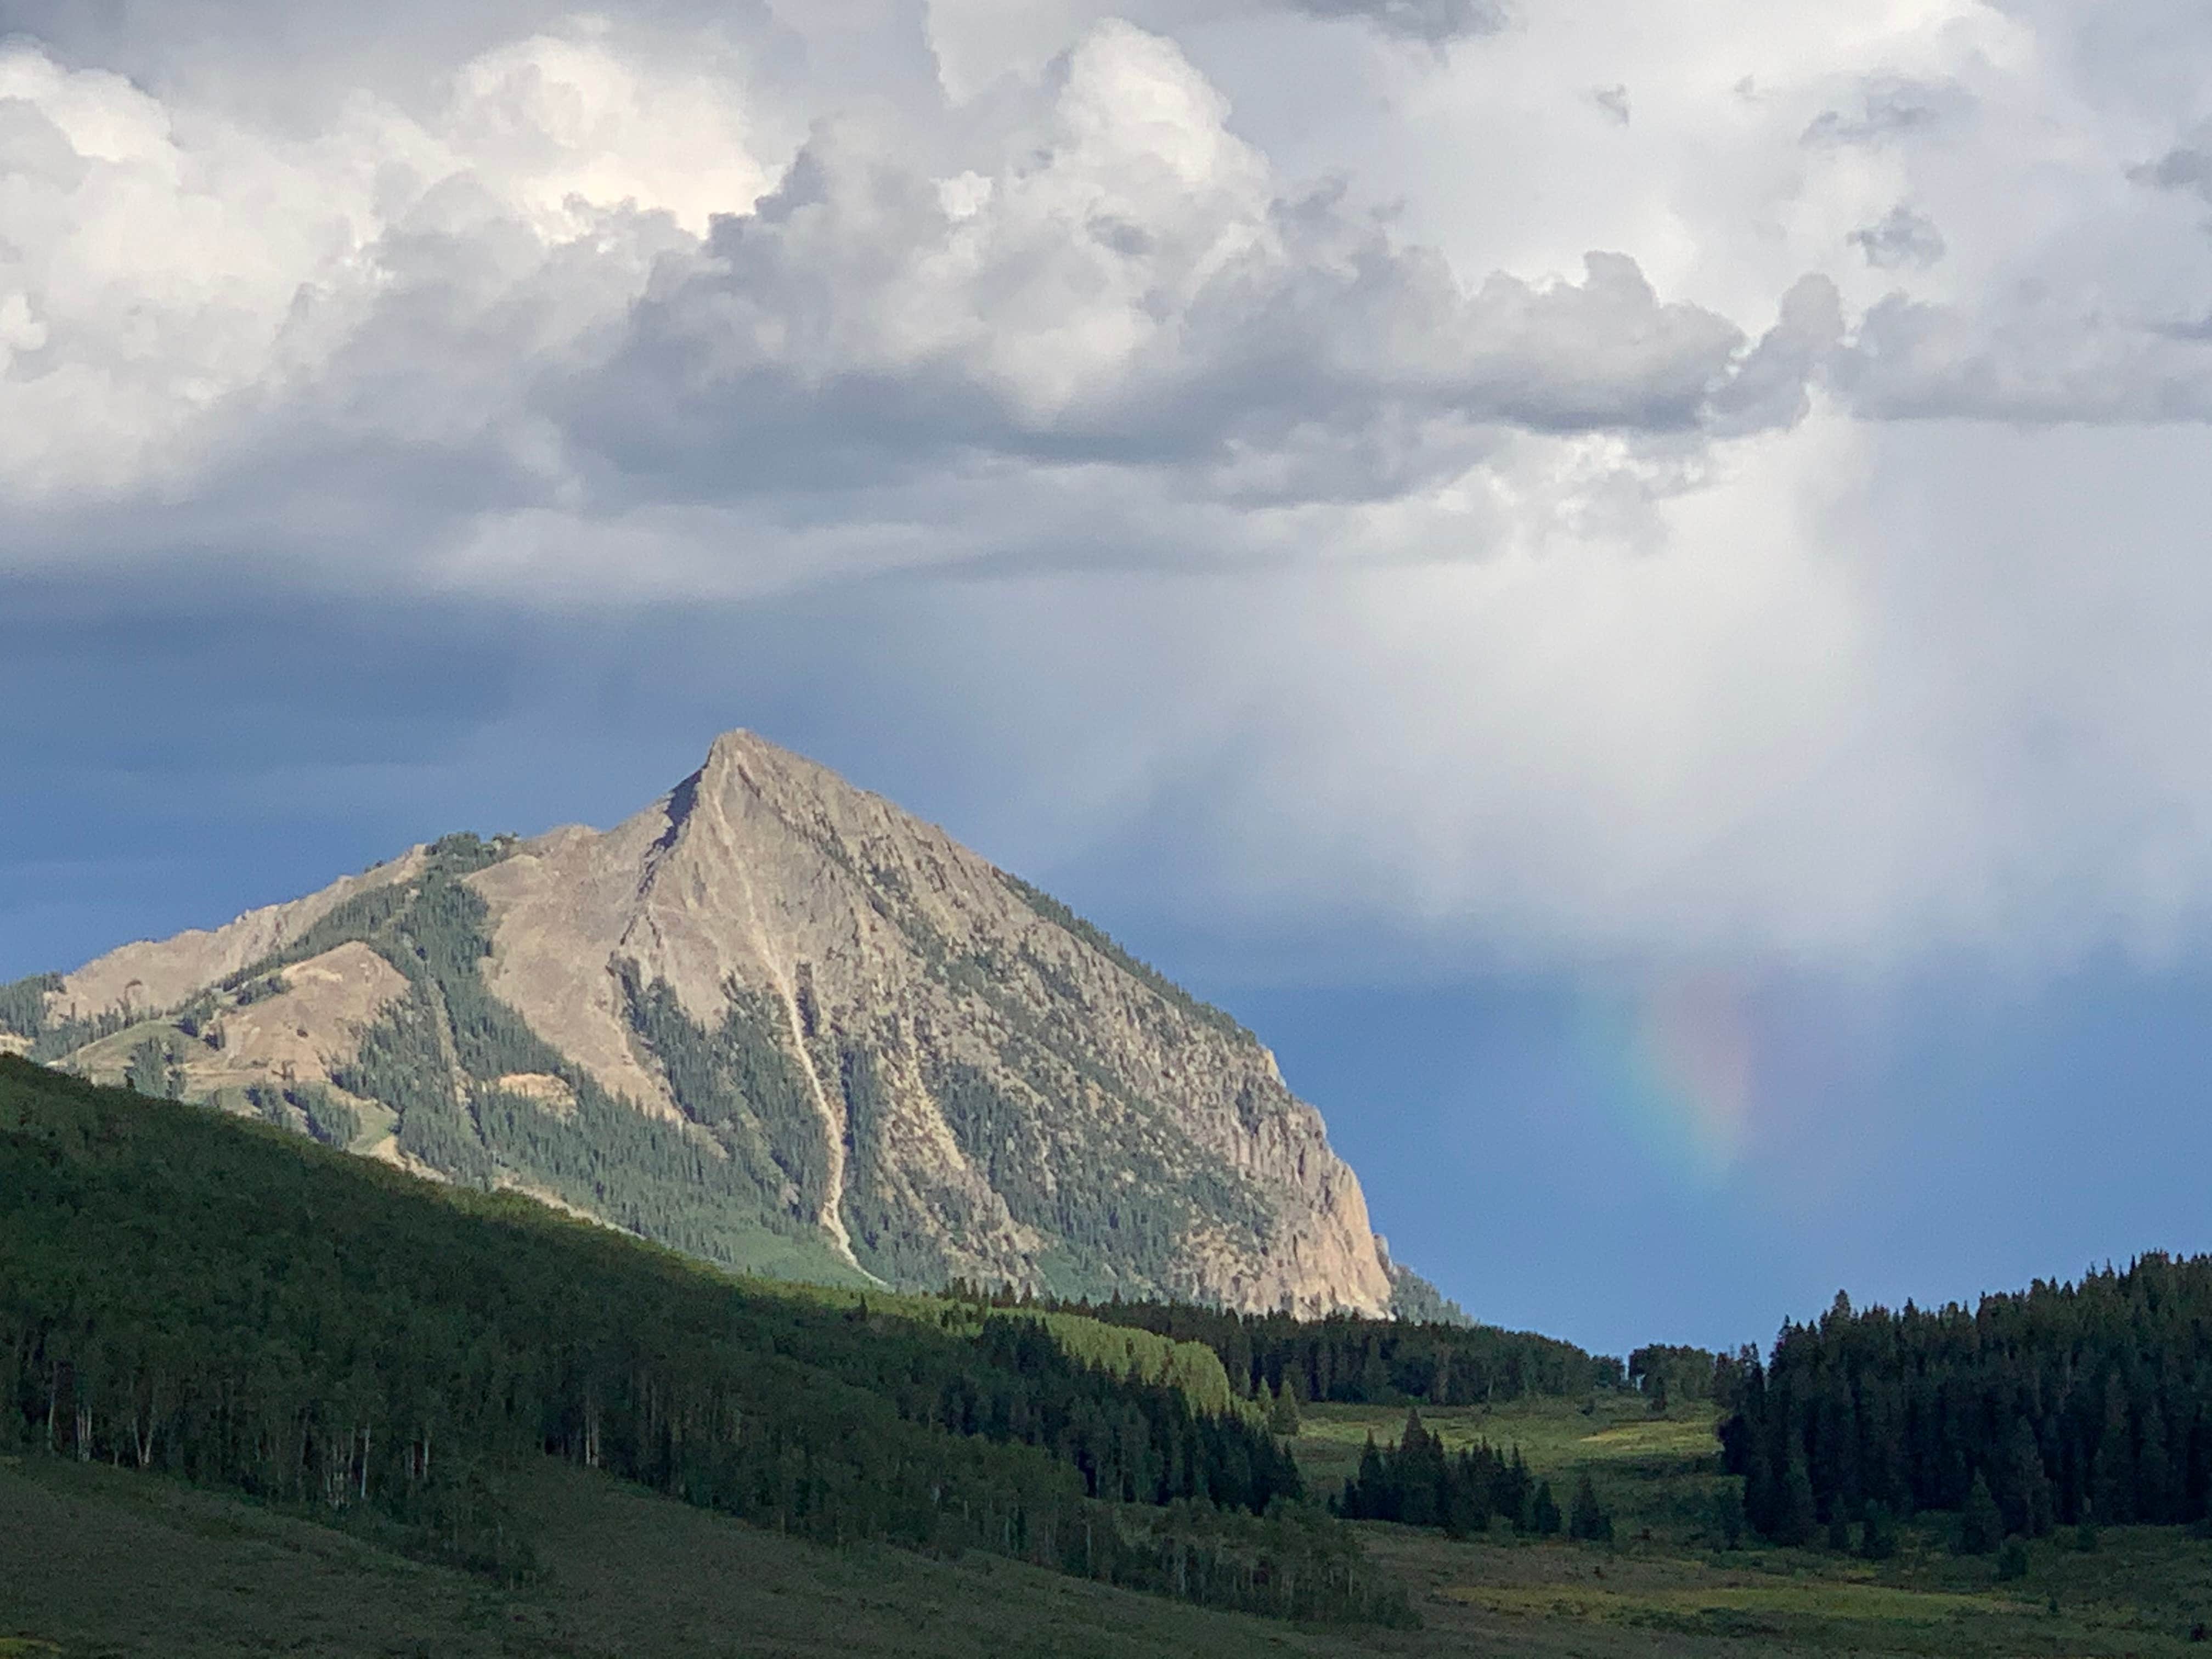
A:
1624, 583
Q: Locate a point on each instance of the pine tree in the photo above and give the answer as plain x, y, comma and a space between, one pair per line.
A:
1420, 1474
1544, 1514
1283, 1413
1878, 1534
1981, 1525
1368, 1496
1587, 1521
2027, 1506
1796, 1517
1727, 1516
2154, 1473
2112, 1480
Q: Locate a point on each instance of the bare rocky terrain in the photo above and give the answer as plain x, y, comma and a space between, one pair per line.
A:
772, 1019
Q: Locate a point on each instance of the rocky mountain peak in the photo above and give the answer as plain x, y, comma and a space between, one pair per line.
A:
773, 1019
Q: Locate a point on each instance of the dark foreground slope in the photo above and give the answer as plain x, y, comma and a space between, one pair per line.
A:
103, 1562
184, 1294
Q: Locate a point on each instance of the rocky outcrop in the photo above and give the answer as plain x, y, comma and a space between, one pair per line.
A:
155, 975
933, 1070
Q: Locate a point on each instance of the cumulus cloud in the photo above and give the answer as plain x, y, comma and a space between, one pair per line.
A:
1531, 486
575, 287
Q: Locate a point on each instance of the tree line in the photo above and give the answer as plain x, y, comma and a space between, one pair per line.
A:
1417, 1482
184, 1292
2065, 1404
1349, 1358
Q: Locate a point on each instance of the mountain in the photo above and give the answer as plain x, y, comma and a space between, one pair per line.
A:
774, 1021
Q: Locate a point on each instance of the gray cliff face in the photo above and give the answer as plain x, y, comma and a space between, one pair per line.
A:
894, 1059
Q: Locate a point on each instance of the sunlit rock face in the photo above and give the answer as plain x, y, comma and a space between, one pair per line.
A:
773, 1020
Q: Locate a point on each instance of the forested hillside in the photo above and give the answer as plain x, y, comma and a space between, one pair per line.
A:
2065, 1404
1360, 1361
185, 1293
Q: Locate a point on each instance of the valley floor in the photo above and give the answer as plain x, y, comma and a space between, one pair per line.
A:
1665, 1585
101, 1562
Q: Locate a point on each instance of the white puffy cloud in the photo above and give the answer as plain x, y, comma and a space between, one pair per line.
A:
1579, 533
577, 250
173, 280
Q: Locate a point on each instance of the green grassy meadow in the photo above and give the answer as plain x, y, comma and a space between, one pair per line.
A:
99, 1561
1666, 1584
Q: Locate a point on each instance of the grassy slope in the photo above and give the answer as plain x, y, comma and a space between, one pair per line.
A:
103, 1562
99, 1561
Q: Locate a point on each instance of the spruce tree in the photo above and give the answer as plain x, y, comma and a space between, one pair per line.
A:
1368, 1496
1544, 1512
1283, 1413
1981, 1525
1420, 1472
1796, 1517
1877, 1533
1587, 1521
1727, 1516
2027, 1506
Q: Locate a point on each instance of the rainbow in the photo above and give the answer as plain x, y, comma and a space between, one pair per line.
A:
1679, 1061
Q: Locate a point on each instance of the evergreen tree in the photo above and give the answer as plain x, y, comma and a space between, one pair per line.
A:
2113, 1474
1544, 1511
1727, 1516
2154, 1472
1283, 1413
1420, 1472
2085, 1531
1797, 1517
1369, 1495
2027, 1506
1877, 1533
1586, 1520
1981, 1525
2059, 1401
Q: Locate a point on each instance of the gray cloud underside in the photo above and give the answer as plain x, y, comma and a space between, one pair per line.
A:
1599, 605
1889, 108
886, 338
2185, 168
1901, 238
1435, 21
